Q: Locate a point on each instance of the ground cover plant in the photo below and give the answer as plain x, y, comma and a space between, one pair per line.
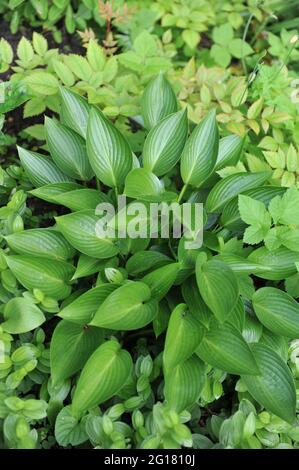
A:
143, 338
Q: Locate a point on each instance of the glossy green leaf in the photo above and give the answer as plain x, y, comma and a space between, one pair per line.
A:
274, 387
40, 169
280, 262
71, 346
195, 302
98, 384
158, 101
50, 276
165, 142
144, 261
81, 199
84, 307
184, 334
230, 150
200, 153
74, 111
161, 280
109, 153
87, 266
141, 183
184, 383
224, 347
68, 150
231, 186
79, 229
68, 430
21, 315
40, 242
49, 192
127, 308
218, 287
278, 311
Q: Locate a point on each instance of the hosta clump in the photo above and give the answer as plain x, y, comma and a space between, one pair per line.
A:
144, 330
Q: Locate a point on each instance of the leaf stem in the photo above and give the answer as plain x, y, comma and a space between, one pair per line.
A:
244, 40
182, 192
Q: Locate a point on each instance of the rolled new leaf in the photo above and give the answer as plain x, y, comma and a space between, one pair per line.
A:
68, 150
71, 345
158, 101
127, 308
184, 334
184, 383
40, 169
200, 153
108, 151
218, 287
274, 387
165, 142
104, 374
224, 347
278, 311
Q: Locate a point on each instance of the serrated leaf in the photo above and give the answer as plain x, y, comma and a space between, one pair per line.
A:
95, 55
63, 73
109, 153
184, 383
50, 276
127, 308
184, 333
25, 50
224, 347
68, 150
95, 385
21, 315
274, 387
218, 287
84, 307
158, 101
79, 228
43, 83
74, 111
231, 186
40, 242
200, 153
277, 310
40, 43
71, 345
40, 169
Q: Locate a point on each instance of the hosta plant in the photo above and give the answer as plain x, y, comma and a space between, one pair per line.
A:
146, 329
